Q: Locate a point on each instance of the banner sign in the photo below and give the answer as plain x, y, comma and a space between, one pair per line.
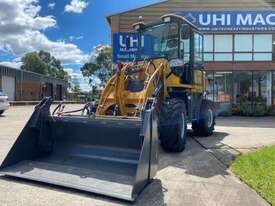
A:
232, 21
124, 51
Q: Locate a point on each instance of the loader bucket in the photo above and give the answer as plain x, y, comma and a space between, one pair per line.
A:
112, 157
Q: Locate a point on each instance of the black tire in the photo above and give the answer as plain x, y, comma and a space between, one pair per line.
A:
173, 125
206, 124
1, 112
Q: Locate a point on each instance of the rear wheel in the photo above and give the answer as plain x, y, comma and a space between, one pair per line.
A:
173, 125
206, 123
1, 112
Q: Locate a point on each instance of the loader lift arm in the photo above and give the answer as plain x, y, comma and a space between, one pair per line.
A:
119, 91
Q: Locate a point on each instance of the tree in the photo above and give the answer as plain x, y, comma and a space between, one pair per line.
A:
43, 63
99, 66
31, 62
88, 70
75, 92
76, 89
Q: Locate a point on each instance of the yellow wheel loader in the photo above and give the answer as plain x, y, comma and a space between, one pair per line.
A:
114, 151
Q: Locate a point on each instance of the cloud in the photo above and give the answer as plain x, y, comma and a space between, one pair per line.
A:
21, 31
69, 70
12, 64
76, 6
20, 15
96, 51
51, 5
74, 38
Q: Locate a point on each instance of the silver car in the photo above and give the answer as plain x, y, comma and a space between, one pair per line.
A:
4, 102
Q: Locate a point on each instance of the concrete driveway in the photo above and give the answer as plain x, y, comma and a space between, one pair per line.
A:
236, 135
197, 176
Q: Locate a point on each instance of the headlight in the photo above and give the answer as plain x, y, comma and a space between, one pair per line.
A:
176, 63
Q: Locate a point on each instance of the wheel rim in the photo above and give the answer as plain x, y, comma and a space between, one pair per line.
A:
182, 126
210, 118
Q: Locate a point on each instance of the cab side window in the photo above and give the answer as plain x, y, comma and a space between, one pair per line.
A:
185, 50
198, 48
185, 43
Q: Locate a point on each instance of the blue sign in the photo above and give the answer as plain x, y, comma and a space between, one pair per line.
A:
124, 51
232, 21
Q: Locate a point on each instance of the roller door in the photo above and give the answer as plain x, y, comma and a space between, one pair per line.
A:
8, 86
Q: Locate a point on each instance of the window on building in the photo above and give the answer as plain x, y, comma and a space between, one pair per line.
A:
223, 47
238, 47
208, 43
208, 57
242, 86
210, 89
223, 57
243, 43
243, 57
262, 43
262, 56
222, 87
223, 43
262, 47
208, 47
262, 87
243, 47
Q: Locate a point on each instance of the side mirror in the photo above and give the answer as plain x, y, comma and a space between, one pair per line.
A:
185, 32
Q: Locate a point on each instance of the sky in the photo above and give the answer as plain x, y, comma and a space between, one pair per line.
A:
68, 29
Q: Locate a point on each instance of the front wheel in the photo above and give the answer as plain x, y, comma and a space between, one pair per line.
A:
1, 112
173, 125
206, 123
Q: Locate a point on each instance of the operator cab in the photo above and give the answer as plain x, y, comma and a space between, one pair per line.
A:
175, 39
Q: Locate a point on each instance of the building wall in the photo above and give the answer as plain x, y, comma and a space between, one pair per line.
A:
30, 86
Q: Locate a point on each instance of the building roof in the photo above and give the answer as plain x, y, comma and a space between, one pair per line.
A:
108, 18
29, 72
197, 4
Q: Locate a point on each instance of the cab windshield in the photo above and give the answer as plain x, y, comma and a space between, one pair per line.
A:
163, 40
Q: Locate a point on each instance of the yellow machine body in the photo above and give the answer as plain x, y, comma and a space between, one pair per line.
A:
151, 74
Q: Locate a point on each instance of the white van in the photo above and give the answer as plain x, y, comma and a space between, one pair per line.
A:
4, 102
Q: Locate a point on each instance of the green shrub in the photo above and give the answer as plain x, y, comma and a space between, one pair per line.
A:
255, 107
226, 113
260, 109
